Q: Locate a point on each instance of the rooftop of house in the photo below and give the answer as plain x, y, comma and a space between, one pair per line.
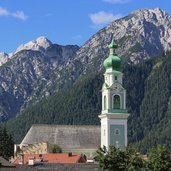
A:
52, 158
66, 136
5, 163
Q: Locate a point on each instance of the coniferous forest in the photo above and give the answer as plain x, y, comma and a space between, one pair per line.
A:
148, 86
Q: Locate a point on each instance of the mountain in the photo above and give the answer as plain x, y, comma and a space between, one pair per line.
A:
148, 86
144, 44
40, 44
79, 104
40, 68
29, 76
3, 57
141, 35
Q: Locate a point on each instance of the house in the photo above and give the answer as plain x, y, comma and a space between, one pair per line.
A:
33, 159
36, 148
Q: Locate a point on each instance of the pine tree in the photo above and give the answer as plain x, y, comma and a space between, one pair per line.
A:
6, 144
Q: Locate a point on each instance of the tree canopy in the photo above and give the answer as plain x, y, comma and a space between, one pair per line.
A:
129, 159
6, 144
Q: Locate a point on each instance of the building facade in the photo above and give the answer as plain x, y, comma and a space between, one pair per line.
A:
71, 138
114, 114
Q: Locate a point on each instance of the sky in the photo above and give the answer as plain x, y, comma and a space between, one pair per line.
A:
62, 21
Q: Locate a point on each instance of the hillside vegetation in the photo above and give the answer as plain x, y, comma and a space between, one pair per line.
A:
148, 86
40, 68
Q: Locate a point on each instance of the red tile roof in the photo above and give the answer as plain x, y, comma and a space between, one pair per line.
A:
53, 158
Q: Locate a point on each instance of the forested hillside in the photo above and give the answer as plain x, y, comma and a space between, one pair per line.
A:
155, 109
148, 86
40, 68
80, 104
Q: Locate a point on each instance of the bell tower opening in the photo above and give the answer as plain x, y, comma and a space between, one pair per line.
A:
116, 102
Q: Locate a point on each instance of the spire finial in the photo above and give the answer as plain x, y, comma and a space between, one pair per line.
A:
112, 35
112, 45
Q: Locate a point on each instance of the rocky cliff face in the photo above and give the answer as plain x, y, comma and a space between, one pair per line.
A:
142, 34
27, 77
40, 44
3, 58
40, 68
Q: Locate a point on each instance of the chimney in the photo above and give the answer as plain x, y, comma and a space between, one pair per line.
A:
70, 154
41, 157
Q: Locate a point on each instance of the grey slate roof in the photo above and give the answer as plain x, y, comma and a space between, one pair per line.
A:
66, 136
5, 163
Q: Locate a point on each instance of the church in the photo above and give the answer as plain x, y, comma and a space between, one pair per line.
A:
87, 139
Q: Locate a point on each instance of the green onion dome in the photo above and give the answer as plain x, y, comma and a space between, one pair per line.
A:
113, 62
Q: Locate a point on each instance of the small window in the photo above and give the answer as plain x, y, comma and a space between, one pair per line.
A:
117, 132
104, 102
116, 78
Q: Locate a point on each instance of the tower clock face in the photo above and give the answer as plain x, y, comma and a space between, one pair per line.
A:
117, 87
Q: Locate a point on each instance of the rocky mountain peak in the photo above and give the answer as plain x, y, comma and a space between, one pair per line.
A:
3, 54
155, 15
40, 44
143, 34
3, 57
43, 41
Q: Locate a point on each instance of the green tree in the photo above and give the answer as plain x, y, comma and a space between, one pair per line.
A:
126, 159
159, 159
56, 149
114, 159
135, 161
6, 144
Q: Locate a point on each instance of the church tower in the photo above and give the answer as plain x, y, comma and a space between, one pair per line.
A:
114, 114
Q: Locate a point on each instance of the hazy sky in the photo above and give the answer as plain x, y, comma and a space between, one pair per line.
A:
62, 21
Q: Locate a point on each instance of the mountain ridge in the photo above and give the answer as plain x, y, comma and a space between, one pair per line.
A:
140, 36
40, 44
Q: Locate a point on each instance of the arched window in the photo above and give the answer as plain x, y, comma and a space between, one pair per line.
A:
104, 102
116, 102
117, 132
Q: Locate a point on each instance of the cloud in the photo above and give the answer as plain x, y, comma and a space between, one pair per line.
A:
17, 14
3, 12
117, 1
20, 15
102, 17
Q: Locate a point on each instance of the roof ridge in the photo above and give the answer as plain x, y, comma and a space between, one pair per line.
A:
56, 125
